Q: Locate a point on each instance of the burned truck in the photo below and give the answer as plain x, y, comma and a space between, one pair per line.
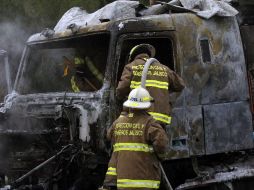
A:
52, 130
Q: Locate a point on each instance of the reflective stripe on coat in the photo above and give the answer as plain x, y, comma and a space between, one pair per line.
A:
137, 138
111, 174
160, 82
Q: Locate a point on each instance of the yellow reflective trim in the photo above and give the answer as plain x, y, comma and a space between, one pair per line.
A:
135, 82
161, 117
94, 69
78, 61
74, 86
134, 104
159, 114
151, 83
133, 86
111, 171
133, 147
157, 81
132, 50
157, 86
146, 99
163, 120
129, 183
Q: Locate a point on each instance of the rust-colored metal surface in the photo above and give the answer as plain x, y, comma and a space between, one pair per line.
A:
215, 74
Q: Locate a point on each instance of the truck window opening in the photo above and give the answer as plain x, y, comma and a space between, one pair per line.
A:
205, 50
71, 65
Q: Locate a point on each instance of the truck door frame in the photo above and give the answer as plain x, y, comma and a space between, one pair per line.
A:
169, 35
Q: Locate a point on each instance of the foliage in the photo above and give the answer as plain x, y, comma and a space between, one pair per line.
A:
42, 13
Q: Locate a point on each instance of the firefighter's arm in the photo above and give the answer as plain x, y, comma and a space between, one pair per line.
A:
158, 137
123, 87
110, 133
175, 81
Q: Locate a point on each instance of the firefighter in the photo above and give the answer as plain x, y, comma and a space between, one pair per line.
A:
137, 138
160, 82
81, 69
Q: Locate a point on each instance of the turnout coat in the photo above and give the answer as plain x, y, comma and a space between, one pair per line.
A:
137, 138
160, 82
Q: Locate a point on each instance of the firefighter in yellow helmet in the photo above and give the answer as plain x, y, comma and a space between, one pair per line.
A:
160, 81
137, 138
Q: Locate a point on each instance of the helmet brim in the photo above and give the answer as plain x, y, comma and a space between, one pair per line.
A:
137, 105
148, 47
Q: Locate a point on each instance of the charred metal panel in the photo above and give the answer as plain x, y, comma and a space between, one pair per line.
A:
178, 135
149, 23
194, 121
228, 127
186, 135
103, 27
223, 78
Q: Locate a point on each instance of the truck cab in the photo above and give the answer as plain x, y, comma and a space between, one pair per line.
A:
212, 117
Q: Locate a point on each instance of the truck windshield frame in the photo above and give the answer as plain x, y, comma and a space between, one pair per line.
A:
74, 64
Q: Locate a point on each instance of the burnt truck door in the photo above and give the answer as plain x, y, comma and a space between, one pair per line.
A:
165, 45
216, 83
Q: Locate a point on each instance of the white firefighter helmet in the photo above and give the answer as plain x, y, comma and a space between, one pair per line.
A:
139, 98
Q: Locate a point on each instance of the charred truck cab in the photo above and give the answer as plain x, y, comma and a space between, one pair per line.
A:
53, 124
